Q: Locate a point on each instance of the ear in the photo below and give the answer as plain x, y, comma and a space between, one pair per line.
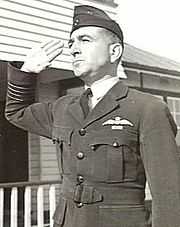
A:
115, 50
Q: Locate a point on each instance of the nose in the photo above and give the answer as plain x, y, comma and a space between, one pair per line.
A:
75, 49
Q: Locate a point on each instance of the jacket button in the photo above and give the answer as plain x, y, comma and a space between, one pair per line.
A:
82, 132
80, 155
79, 205
80, 179
115, 144
93, 147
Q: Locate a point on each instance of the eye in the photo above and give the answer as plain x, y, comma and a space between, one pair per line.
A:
70, 43
85, 39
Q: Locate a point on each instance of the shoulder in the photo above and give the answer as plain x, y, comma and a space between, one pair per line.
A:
146, 101
153, 112
150, 108
64, 101
143, 96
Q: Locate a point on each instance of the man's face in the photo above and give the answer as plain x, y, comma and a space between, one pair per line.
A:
90, 51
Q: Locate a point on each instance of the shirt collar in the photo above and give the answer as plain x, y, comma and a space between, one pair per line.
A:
102, 86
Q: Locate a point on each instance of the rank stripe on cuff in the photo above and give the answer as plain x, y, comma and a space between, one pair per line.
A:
20, 98
20, 92
22, 87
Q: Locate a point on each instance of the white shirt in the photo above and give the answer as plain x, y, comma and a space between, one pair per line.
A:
101, 87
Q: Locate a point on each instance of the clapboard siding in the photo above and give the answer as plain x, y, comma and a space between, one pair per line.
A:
43, 6
48, 160
56, 20
34, 157
24, 24
49, 164
35, 28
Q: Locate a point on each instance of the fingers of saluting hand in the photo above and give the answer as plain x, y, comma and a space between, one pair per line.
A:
40, 57
52, 48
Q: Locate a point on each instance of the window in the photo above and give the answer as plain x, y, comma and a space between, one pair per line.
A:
174, 106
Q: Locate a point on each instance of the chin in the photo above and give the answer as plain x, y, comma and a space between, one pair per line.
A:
79, 74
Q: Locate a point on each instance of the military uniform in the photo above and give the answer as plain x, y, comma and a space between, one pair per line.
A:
105, 158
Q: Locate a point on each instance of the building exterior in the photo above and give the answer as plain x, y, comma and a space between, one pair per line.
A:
24, 24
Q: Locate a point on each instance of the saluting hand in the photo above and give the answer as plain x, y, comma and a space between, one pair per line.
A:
41, 57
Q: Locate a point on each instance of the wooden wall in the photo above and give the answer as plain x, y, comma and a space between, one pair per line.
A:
24, 24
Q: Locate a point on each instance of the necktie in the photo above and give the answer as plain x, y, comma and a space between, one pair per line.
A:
84, 100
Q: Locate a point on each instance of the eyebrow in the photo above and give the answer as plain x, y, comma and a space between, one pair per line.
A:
85, 35
80, 37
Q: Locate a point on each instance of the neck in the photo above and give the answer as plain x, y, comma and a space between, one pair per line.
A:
91, 79
102, 79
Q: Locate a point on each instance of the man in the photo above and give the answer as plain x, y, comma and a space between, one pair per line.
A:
106, 154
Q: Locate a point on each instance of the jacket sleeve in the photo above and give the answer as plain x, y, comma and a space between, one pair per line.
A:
162, 165
21, 109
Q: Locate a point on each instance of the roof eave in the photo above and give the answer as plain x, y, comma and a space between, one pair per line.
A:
150, 68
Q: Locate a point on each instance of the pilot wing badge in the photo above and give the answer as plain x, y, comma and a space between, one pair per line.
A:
118, 123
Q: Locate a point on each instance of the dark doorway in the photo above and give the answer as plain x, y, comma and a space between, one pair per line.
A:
13, 151
13, 163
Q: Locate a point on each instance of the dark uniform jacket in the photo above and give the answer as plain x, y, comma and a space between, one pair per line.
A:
104, 159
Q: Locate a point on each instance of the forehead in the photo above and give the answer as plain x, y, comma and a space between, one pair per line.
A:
88, 30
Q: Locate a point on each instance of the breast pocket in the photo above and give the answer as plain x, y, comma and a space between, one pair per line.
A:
114, 159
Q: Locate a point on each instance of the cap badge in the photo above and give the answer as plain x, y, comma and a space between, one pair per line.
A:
76, 22
90, 12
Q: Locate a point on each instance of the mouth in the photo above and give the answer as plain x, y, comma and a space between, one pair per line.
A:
77, 62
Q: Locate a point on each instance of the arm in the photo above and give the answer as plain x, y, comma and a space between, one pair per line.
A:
20, 107
162, 165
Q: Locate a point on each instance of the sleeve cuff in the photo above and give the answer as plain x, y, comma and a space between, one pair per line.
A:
16, 76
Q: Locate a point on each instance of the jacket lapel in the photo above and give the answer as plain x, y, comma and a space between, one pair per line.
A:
108, 103
105, 106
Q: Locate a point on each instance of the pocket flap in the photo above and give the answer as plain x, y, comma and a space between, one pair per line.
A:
110, 137
110, 141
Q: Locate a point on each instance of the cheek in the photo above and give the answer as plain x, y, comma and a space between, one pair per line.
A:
102, 58
98, 57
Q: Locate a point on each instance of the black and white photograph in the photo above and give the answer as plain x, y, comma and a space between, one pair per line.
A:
89, 113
